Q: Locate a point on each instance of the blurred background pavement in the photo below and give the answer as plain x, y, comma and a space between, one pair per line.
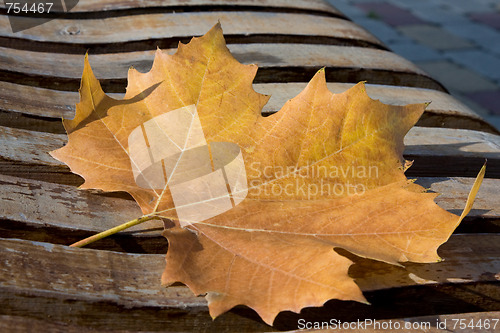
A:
456, 41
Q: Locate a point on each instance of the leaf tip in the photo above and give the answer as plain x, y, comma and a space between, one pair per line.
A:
318, 78
360, 88
473, 192
86, 62
217, 28
88, 75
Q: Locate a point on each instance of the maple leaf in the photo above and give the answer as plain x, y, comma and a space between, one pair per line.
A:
326, 171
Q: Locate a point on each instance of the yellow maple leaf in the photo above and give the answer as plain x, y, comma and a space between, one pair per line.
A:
258, 203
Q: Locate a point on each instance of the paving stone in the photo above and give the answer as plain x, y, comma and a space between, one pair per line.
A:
482, 35
469, 38
464, 6
390, 14
413, 4
457, 78
381, 30
438, 15
415, 52
473, 31
490, 19
434, 37
487, 99
483, 63
493, 48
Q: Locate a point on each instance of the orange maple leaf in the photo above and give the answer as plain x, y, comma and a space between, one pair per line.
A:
258, 203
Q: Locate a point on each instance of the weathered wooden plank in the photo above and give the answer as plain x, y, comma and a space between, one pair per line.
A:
451, 142
444, 110
277, 62
101, 291
424, 324
115, 66
28, 205
20, 324
453, 193
166, 25
62, 206
90, 292
93, 288
469, 258
280, 93
456, 152
278, 5
37, 101
29, 146
436, 152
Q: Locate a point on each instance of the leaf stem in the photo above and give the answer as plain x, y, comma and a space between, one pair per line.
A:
112, 231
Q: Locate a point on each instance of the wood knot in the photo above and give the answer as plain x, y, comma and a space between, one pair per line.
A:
71, 30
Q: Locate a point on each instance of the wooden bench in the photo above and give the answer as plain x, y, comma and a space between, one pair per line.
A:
114, 285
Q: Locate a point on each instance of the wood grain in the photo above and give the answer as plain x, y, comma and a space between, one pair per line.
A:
451, 152
37, 101
444, 110
277, 63
166, 25
436, 152
427, 324
278, 5
115, 287
40, 280
26, 202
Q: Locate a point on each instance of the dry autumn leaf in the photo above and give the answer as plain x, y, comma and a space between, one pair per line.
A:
258, 203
